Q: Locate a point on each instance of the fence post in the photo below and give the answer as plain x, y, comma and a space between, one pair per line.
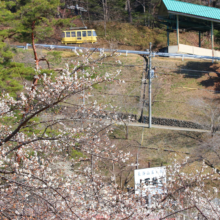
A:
149, 91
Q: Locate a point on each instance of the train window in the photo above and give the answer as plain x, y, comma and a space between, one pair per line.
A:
94, 34
67, 34
84, 33
73, 34
63, 34
78, 33
89, 33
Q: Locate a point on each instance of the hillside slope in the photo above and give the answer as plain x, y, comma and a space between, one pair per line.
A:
130, 37
126, 35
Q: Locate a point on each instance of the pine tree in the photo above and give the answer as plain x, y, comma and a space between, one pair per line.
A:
28, 20
36, 21
25, 21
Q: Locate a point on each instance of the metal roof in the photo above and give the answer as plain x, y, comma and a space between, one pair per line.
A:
192, 10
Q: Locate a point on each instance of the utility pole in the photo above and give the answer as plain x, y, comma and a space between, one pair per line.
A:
144, 90
150, 75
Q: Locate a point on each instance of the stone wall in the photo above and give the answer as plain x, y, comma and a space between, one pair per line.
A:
162, 121
174, 123
134, 118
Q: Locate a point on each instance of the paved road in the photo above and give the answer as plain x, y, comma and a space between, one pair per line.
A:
135, 124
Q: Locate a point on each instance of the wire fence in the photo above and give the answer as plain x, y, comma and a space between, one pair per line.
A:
161, 54
174, 86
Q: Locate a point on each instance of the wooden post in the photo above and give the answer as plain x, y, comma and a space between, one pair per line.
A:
177, 30
168, 37
199, 38
212, 38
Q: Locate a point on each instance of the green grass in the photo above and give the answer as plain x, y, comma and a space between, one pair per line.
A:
76, 154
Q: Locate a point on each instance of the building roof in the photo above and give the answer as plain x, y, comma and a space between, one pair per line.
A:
191, 16
192, 10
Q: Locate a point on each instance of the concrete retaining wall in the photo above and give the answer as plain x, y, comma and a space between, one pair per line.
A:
187, 49
173, 49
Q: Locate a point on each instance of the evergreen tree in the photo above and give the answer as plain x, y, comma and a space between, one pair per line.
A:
28, 20
36, 21
5, 53
7, 19
24, 20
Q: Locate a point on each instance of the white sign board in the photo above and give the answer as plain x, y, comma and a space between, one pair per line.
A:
150, 179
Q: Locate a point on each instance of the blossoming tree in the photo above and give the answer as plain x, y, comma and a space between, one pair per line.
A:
37, 132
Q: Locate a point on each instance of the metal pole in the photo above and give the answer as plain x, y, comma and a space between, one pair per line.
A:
199, 38
149, 76
177, 30
212, 36
137, 158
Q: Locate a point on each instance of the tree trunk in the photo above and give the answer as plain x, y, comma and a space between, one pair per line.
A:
128, 4
105, 13
121, 180
148, 16
58, 12
88, 10
126, 132
33, 46
26, 109
64, 12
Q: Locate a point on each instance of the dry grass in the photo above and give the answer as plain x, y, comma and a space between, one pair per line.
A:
180, 86
160, 146
128, 36
171, 99
172, 90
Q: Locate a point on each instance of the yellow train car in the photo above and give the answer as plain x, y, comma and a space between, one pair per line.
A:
79, 36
